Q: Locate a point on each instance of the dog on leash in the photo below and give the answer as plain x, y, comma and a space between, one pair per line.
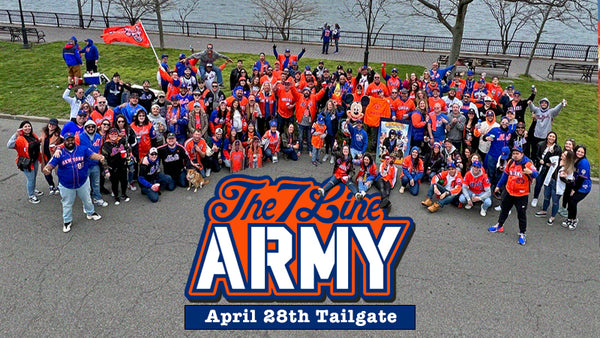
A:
195, 180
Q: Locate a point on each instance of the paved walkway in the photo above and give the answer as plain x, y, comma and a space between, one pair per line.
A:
539, 68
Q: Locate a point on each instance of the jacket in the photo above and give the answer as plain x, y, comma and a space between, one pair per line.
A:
516, 182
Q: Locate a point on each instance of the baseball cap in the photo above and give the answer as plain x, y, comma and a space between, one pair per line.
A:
437, 144
68, 135
183, 85
340, 67
477, 164
182, 56
394, 70
273, 123
197, 104
53, 121
82, 113
517, 148
113, 130
359, 121
325, 70
470, 72
321, 62
505, 152
510, 87
153, 151
161, 93
294, 63
218, 131
307, 67
471, 111
487, 99
170, 135
116, 74
521, 125
489, 113
197, 91
287, 50
517, 92
164, 56
306, 88
209, 65
451, 165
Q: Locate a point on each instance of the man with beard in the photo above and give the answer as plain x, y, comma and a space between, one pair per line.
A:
499, 138
72, 172
213, 97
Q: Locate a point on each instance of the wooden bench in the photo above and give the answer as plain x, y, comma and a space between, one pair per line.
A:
503, 64
462, 61
586, 70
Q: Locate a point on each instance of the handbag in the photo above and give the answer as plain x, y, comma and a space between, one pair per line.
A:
24, 163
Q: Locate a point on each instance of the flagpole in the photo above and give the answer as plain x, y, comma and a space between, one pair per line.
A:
150, 40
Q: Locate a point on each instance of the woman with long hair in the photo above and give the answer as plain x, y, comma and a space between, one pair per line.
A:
50, 140
255, 85
412, 171
560, 174
367, 173
116, 150
238, 120
253, 112
218, 117
418, 120
126, 133
342, 173
581, 186
27, 145
545, 151
330, 114
434, 162
469, 138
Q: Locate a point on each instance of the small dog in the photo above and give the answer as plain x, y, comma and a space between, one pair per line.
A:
195, 179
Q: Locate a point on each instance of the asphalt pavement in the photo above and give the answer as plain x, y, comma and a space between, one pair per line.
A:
125, 274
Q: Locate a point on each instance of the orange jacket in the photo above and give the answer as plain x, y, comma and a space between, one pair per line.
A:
376, 109
22, 148
97, 117
316, 140
373, 89
455, 185
403, 108
518, 183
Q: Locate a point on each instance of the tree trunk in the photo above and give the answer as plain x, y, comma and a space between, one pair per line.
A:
457, 33
160, 25
537, 39
80, 12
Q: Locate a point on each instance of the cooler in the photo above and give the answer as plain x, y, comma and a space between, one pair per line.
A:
91, 78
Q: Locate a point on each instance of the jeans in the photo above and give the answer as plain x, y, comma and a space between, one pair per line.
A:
550, 193
333, 181
490, 169
290, 153
315, 154
165, 181
325, 47
446, 200
487, 203
414, 190
68, 198
180, 179
94, 176
539, 182
31, 176
304, 135
217, 71
362, 185
355, 153
336, 44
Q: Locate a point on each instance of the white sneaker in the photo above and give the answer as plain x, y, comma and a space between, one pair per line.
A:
325, 158
132, 186
67, 226
534, 202
483, 212
38, 193
275, 159
358, 196
33, 199
94, 216
363, 193
401, 189
498, 208
51, 190
101, 203
321, 191
468, 206
208, 172
332, 160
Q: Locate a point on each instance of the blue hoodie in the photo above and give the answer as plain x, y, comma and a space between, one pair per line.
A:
90, 50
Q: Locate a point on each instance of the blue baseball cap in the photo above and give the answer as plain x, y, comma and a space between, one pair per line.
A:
82, 113
320, 119
395, 70
517, 148
505, 153
164, 56
517, 92
182, 56
451, 165
477, 164
470, 72
273, 123
68, 135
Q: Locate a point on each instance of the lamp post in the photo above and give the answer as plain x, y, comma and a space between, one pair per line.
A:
366, 58
26, 44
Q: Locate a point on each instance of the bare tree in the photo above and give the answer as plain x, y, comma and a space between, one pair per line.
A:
573, 13
161, 6
105, 9
134, 10
374, 15
510, 17
184, 9
283, 14
450, 13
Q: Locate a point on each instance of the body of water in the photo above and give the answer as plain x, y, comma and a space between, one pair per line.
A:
479, 22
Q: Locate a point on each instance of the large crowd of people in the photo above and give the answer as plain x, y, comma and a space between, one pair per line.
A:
468, 137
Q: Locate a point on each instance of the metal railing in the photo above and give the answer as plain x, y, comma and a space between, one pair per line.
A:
306, 35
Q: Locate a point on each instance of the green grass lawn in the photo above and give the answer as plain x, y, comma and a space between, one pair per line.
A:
33, 82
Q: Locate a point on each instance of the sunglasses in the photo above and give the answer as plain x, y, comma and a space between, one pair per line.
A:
120, 121
153, 154
101, 102
106, 124
90, 127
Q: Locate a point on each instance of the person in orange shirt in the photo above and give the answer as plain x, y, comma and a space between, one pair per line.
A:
403, 106
318, 132
269, 77
102, 111
447, 186
435, 98
518, 174
376, 85
287, 98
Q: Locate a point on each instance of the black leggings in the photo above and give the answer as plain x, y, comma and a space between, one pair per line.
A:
572, 202
384, 188
118, 175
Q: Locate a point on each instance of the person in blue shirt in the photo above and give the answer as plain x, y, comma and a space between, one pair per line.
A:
91, 56
438, 74
358, 138
72, 172
326, 36
438, 128
91, 139
581, 188
75, 127
500, 138
130, 109
72, 58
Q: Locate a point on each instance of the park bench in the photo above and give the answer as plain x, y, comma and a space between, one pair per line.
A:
12, 32
32, 32
462, 61
586, 70
503, 64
